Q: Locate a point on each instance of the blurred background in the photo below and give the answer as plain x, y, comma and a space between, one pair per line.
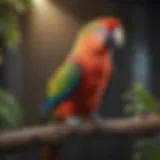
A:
48, 31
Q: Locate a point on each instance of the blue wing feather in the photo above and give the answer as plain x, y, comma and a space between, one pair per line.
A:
72, 78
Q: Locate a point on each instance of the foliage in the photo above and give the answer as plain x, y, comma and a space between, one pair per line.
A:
10, 112
139, 101
9, 26
9, 31
147, 148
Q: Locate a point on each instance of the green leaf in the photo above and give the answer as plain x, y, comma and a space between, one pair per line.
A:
137, 156
145, 97
10, 112
9, 26
141, 99
147, 149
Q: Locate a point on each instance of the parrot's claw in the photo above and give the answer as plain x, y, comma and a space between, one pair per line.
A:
74, 123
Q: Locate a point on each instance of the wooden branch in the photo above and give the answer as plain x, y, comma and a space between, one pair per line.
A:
57, 133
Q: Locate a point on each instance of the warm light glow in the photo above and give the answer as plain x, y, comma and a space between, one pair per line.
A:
36, 2
47, 23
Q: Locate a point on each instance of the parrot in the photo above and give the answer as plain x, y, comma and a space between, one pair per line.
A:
75, 90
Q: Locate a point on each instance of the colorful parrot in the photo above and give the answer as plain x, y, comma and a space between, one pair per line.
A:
76, 89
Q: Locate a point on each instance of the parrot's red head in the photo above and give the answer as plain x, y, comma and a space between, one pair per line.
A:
113, 31
103, 33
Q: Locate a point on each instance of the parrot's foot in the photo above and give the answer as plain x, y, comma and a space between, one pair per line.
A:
97, 120
74, 123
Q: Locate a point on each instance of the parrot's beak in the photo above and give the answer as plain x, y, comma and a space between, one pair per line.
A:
119, 37
115, 39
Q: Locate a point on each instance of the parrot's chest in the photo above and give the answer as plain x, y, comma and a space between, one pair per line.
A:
96, 71
93, 74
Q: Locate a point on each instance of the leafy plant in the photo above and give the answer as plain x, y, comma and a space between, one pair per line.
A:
10, 112
9, 26
139, 101
147, 148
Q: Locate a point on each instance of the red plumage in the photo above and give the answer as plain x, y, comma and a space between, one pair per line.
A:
97, 71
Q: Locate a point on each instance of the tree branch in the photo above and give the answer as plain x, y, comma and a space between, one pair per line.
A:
57, 133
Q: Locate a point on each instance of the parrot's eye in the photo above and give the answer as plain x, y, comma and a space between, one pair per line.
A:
101, 33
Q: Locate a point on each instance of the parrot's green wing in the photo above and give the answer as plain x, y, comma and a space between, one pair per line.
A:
63, 84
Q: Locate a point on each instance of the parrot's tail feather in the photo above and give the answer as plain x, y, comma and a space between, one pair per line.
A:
50, 152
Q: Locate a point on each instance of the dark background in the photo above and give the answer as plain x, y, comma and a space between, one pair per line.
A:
45, 47
154, 34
